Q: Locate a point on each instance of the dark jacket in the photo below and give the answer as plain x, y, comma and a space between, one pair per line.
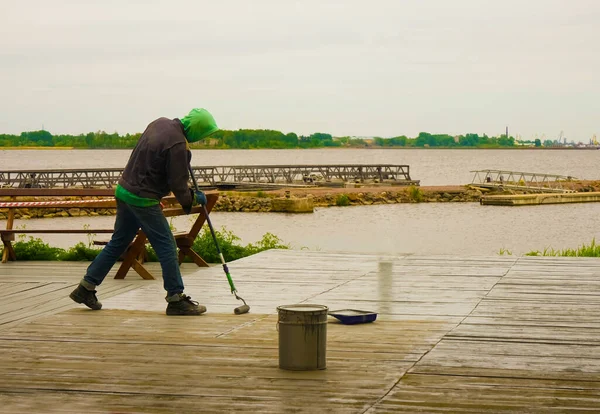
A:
159, 163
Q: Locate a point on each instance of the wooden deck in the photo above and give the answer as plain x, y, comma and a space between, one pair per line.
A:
454, 334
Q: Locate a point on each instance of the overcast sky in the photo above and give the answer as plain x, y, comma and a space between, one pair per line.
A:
378, 67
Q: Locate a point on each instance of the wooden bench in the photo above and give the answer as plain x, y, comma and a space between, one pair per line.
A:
134, 256
8, 235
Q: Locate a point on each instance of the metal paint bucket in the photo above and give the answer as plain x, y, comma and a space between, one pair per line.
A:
302, 337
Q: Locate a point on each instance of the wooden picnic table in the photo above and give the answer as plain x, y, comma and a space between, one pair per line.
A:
133, 258
185, 240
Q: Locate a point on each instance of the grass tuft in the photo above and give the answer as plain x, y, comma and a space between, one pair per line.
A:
415, 194
342, 200
591, 250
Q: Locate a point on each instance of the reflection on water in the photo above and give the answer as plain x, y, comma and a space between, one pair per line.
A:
385, 291
425, 228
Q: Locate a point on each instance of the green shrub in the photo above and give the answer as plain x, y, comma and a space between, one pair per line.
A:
79, 252
268, 241
36, 249
151, 254
228, 242
414, 194
342, 200
205, 246
229, 245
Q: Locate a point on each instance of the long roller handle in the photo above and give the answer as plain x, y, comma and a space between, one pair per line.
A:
214, 236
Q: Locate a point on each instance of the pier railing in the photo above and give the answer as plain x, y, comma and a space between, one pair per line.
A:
516, 180
220, 175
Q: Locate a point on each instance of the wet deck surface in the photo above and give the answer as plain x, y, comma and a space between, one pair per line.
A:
482, 334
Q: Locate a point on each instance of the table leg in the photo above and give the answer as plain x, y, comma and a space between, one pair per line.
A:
131, 259
141, 270
9, 253
185, 243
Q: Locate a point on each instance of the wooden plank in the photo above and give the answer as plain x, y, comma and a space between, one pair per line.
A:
453, 335
57, 192
91, 204
57, 231
558, 313
529, 345
478, 394
50, 303
108, 343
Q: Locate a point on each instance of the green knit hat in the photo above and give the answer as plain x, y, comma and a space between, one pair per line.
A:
198, 124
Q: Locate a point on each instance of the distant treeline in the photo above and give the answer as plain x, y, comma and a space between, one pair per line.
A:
99, 139
259, 138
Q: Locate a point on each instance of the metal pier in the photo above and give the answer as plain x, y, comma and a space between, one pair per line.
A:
516, 180
310, 175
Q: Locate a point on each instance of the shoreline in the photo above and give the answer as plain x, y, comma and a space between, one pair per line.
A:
261, 201
369, 147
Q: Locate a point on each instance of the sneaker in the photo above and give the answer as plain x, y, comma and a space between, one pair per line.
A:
87, 297
181, 304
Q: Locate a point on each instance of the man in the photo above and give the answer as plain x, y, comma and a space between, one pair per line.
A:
158, 165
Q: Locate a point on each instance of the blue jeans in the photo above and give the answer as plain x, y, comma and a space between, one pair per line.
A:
154, 224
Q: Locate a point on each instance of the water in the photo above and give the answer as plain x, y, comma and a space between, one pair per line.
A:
430, 166
428, 228
432, 228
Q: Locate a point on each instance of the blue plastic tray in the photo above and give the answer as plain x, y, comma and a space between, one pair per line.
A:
353, 316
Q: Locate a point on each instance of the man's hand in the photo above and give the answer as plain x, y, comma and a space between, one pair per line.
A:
200, 198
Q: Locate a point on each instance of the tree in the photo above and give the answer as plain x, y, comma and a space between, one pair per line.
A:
38, 138
259, 138
424, 139
469, 140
